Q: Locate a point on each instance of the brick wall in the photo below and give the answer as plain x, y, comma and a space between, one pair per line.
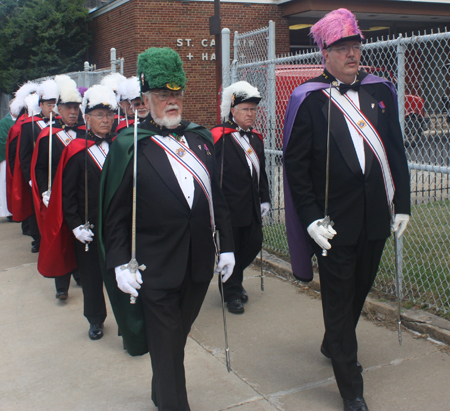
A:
138, 25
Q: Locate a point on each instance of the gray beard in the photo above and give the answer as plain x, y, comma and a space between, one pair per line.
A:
165, 121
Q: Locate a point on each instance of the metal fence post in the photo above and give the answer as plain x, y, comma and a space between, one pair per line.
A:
236, 57
401, 80
225, 58
113, 60
271, 102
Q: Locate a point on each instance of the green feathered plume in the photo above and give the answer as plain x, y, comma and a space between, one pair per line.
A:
160, 68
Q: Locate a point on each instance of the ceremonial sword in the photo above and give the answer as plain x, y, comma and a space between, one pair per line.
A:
326, 222
86, 225
217, 240
49, 185
133, 265
398, 274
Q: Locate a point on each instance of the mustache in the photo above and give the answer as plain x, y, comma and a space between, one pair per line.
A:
171, 107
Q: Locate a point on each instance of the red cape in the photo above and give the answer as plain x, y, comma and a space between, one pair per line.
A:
13, 197
123, 124
21, 198
39, 208
57, 253
219, 131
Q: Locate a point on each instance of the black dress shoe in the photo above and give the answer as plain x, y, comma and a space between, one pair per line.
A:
62, 295
235, 306
244, 296
35, 248
96, 331
324, 351
358, 404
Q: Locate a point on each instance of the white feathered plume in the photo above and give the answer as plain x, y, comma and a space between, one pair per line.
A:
239, 89
101, 96
18, 103
68, 92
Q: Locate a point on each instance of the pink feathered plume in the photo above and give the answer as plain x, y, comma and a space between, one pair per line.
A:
334, 26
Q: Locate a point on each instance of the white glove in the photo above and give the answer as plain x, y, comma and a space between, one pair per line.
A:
45, 198
321, 234
30, 183
83, 235
127, 282
399, 224
265, 207
225, 265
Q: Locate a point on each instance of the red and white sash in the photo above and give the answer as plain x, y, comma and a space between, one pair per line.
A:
366, 130
249, 152
186, 157
98, 155
64, 137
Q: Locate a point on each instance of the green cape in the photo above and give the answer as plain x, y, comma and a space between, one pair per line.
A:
129, 317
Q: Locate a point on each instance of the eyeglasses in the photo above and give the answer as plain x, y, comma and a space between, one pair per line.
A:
346, 49
163, 95
49, 105
247, 110
138, 103
99, 117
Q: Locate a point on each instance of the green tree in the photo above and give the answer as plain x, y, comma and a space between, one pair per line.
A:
41, 38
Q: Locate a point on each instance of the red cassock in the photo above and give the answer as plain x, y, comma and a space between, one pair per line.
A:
57, 254
17, 192
39, 207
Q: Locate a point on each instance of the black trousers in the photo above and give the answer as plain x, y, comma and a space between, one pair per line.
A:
346, 277
88, 263
247, 245
62, 282
169, 315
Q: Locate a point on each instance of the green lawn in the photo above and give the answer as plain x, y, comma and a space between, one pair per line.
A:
426, 258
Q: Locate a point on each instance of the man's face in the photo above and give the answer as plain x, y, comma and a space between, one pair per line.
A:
139, 105
69, 113
342, 60
244, 114
165, 106
100, 121
127, 108
47, 107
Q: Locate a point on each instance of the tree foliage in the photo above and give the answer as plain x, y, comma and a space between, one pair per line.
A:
41, 38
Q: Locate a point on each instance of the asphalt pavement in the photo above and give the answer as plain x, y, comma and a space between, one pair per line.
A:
48, 363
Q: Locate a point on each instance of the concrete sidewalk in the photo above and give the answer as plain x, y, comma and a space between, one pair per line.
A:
47, 361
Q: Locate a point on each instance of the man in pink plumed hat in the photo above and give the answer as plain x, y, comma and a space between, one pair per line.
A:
346, 186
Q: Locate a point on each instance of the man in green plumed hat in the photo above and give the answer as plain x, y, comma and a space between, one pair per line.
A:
179, 206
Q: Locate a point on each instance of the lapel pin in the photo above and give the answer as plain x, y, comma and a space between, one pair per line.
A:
373, 105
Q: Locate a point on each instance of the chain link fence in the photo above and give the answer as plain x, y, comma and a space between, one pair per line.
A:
419, 68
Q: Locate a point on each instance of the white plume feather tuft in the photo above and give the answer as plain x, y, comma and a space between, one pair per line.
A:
112, 80
129, 89
241, 89
99, 95
68, 92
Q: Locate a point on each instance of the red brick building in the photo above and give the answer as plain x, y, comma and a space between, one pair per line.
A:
135, 25
131, 26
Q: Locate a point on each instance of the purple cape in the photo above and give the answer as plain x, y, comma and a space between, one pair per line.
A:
300, 249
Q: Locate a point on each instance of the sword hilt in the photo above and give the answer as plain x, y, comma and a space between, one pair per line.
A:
133, 266
87, 226
326, 222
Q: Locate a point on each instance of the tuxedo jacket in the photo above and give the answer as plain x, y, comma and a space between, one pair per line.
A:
169, 234
41, 167
355, 198
243, 192
74, 193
